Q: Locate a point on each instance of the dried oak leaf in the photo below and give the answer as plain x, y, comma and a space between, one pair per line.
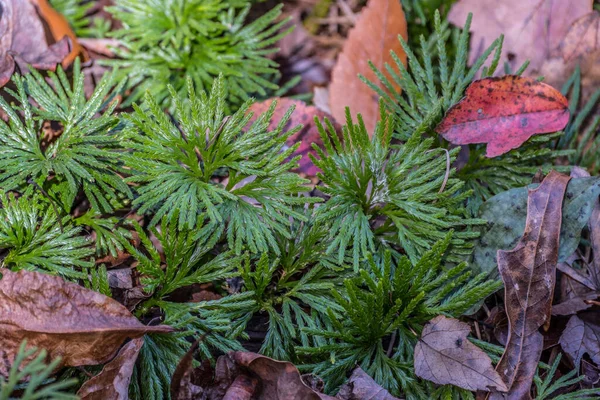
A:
373, 37
22, 40
580, 47
581, 336
360, 386
529, 274
504, 112
309, 134
79, 325
506, 215
279, 380
112, 383
444, 356
59, 28
532, 29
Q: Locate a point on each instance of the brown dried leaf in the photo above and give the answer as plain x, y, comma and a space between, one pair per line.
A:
182, 387
444, 356
79, 325
581, 336
529, 275
372, 38
532, 29
279, 380
112, 383
303, 114
580, 47
22, 40
361, 386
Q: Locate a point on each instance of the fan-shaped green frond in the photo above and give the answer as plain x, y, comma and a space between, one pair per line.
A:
214, 170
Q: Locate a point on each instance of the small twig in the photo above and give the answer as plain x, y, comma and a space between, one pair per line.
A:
347, 10
477, 331
447, 175
390, 348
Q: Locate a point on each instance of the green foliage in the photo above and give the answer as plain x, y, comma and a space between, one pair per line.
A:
186, 262
77, 14
487, 177
384, 310
432, 84
218, 179
170, 41
293, 290
421, 104
32, 238
383, 195
110, 232
84, 156
550, 384
581, 134
30, 365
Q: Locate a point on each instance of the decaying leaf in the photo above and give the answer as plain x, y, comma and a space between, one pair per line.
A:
506, 215
60, 28
504, 112
372, 38
303, 114
361, 386
279, 380
445, 356
79, 325
529, 275
579, 47
581, 336
112, 383
22, 40
532, 29
240, 376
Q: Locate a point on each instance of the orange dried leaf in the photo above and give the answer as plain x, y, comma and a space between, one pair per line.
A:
504, 113
372, 38
59, 27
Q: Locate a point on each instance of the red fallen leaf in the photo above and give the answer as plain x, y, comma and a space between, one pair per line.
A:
112, 383
504, 112
303, 114
529, 275
79, 325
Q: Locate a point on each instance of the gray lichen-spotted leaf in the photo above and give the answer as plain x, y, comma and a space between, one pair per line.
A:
506, 214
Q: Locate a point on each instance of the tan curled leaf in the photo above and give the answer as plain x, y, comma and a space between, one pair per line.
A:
529, 275
445, 356
372, 38
112, 383
79, 325
532, 29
